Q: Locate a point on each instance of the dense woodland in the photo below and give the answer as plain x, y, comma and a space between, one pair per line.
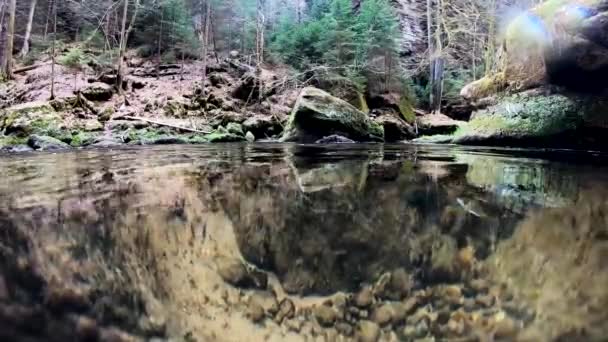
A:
426, 49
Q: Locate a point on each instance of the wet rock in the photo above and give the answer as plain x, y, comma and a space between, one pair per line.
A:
86, 329
249, 137
484, 300
235, 273
262, 126
506, 328
364, 298
334, 139
367, 332
267, 300
45, 143
97, 91
395, 128
400, 312
223, 136
344, 329
437, 124
16, 148
286, 310
318, 114
66, 299
325, 315
294, 325
396, 287
456, 327
383, 314
255, 312
479, 285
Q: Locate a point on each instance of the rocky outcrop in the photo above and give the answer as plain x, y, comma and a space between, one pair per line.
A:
437, 124
45, 143
550, 89
317, 114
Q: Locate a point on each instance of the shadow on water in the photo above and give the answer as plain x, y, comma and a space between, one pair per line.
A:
143, 242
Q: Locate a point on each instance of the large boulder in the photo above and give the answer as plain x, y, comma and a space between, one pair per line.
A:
46, 143
317, 114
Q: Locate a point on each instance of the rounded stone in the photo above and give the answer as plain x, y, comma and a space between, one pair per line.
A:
325, 315
367, 331
364, 298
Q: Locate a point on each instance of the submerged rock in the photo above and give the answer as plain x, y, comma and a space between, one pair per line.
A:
317, 114
335, 139
367, 332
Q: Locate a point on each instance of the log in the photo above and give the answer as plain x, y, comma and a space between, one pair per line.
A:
28, 68
134, 118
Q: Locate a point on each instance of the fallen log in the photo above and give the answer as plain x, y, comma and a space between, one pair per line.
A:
135, 118
29, 67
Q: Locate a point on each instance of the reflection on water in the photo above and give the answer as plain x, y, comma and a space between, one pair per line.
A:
285, 242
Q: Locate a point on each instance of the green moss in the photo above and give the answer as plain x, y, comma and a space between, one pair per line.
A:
12, 141
235, 128
219, 136
83, 139
407, 110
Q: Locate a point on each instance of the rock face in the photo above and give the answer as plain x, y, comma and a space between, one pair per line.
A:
550, 88
561, 42
317, 114
437, 124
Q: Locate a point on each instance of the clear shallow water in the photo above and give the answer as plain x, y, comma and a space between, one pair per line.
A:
148, 230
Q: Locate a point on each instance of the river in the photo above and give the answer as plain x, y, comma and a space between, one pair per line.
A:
273, 242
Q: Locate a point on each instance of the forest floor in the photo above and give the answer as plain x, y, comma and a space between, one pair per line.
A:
158, 104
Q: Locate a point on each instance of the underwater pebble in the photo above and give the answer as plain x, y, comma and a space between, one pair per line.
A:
383, 315
344, 329
325, 315
367, 331
364, 298
286, 310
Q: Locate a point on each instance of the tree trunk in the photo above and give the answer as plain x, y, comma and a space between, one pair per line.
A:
53, 49
206, 39
49, 12
121, 54
8, 36
160, 41
28, 30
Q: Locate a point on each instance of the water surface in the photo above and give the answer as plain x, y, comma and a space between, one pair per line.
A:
147, 238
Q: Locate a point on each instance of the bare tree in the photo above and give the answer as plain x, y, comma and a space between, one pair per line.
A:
205, 39
28, 30
8, 36
53, 49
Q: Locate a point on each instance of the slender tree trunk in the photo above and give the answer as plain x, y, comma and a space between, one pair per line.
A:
160, 41
28, 30
206, 39
53, 49
49, 12
431, 50
121, 55
6, 57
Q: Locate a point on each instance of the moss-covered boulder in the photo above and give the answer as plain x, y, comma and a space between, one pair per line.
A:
317, 114
30, 118
541, 120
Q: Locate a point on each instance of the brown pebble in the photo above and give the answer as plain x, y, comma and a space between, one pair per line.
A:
325, 315
286, 310
364, 298
86, 329
505, 328
410, 304
344, 329
479, 285
367, 332
383, 315
453, 291
255, 312
484, 300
